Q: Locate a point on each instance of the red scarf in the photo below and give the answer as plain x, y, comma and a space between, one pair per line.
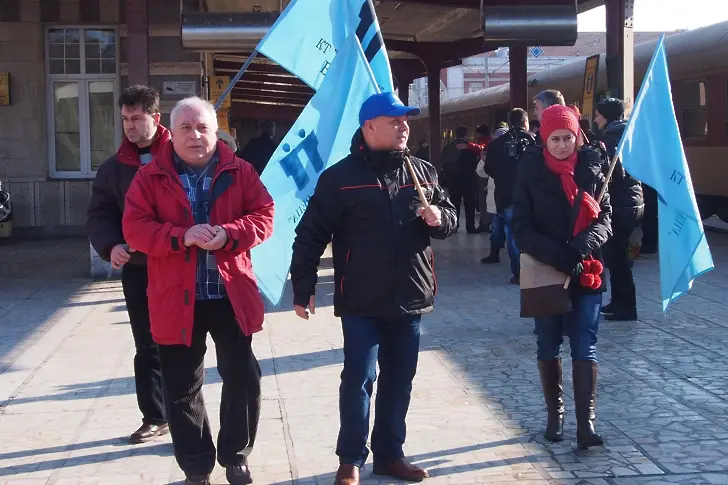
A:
589, 210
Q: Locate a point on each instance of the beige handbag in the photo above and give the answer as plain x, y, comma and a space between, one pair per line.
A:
542, 286
542, 289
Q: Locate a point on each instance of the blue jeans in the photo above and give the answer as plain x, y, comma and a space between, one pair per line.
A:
513, 253
395, 343
497, 232
580, 324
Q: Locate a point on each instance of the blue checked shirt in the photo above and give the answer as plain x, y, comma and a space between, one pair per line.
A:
197, 184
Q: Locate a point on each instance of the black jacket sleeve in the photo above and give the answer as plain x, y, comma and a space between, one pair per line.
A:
103, 221
447, 210
313, 234
528, 239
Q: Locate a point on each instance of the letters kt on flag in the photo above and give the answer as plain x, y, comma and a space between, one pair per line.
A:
318, 139
651, 151
309, 33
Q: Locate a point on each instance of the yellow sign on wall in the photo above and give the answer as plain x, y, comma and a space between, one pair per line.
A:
223, 120
218, 85
4, 88
591, 81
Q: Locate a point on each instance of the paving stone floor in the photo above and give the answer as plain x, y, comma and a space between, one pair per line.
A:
67, 398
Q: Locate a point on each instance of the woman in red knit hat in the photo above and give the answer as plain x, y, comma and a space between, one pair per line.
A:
558, 222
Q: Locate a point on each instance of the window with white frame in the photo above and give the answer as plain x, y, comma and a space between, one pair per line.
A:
83, 123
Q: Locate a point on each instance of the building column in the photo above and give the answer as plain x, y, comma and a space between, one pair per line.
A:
620, 49
433, 106
137, 30
518, 60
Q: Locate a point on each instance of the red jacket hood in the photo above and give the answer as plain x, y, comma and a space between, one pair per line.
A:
128, 152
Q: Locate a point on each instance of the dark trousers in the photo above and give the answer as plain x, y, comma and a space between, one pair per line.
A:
396, 343
581, 325
467, 194
649, 224
183, 369
620, 272
147, 369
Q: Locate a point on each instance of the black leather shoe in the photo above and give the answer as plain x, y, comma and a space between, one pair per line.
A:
238, 474
147, 432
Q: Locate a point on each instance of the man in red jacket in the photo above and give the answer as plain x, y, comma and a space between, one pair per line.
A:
143, 138
196, 210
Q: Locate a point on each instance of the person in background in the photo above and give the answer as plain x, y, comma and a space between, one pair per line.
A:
143, 139
423, 153
259, 150
534, 126
586, 129
546, 98
384, 279
227, 139
501, 164
460, 165
197, 210
558, 222
628, 208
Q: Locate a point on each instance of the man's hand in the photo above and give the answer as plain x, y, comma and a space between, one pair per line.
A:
199, 235
119, 256
431, 214
303, 312
218, 241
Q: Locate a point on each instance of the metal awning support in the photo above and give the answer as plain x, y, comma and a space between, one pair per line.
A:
530, 25
225, 32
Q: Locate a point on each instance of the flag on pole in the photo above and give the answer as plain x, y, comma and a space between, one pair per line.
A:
318, 139
651, 151
309, 33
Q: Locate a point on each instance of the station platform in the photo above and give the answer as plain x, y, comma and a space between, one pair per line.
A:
67, 402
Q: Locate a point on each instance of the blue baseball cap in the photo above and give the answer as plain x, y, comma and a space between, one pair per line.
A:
384, 104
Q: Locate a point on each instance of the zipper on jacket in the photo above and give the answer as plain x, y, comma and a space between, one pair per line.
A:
184, 336
346, 266
187, 297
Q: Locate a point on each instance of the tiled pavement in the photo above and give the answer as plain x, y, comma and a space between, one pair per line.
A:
67, 400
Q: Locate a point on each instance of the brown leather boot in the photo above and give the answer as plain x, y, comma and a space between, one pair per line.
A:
585, 400
402, 470
347, 475
551, 384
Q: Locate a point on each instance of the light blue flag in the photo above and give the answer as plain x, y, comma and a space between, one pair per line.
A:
309, 33
651, 151
318, 139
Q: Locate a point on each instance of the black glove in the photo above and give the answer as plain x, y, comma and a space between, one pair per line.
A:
578, 269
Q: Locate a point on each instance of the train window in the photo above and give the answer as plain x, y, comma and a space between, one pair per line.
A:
695, 108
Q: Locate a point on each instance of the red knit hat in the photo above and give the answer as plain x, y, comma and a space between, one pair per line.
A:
558, 117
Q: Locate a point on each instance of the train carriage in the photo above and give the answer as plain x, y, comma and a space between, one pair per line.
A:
698, 63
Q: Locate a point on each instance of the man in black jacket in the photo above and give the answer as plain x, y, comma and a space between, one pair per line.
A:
143, 138
259, 150
628, 208
501, 164
384, 278
460, 165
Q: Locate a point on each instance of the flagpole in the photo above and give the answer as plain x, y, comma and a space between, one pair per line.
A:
602, 191
236, 79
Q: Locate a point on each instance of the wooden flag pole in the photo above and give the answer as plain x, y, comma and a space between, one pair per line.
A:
416, 182
603, 191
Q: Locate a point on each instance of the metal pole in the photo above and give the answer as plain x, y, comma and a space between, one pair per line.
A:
236, 79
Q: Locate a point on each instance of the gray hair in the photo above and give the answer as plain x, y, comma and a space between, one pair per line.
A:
193, 103
228, 139
550, 97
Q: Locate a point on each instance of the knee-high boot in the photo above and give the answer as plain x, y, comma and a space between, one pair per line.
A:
551, 378
585, 398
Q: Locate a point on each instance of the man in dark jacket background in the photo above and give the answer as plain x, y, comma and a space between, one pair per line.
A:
628, 208
501, 164
384, 278
459, 167
143, 139
259, 150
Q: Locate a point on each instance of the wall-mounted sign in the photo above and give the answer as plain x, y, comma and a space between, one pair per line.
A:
4, 88
179, 88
